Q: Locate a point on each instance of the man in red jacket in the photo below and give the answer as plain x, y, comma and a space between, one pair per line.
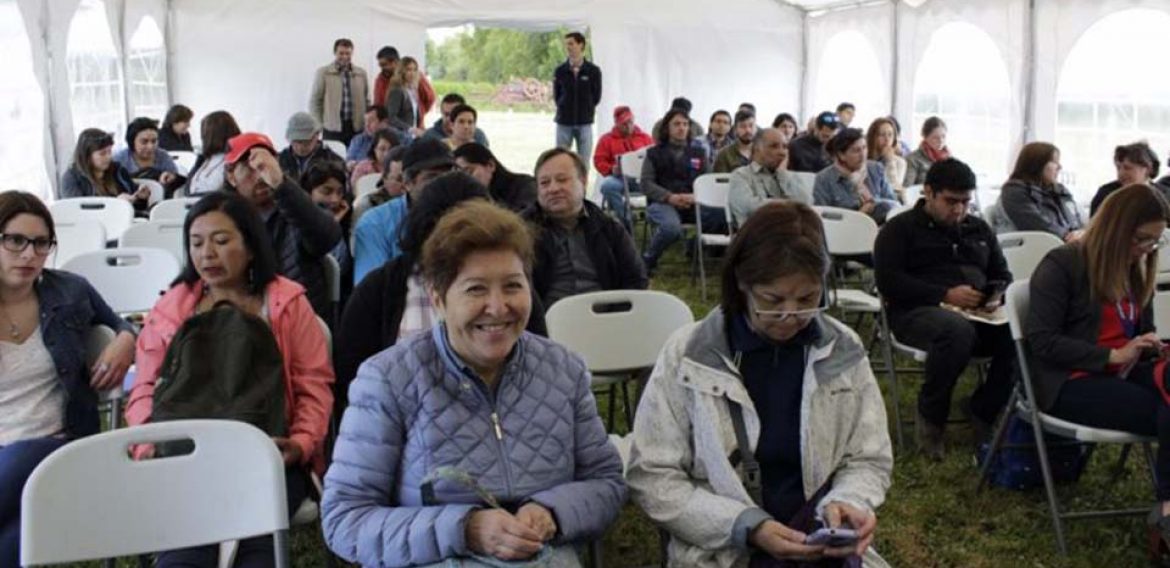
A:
625, 137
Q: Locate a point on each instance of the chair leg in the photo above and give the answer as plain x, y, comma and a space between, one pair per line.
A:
893, 376
612, 405
115, 412
629, 406
993, 447
663, 546
702, 268
280, 548
1149, 455
1049, 486
595, 553
1119, 468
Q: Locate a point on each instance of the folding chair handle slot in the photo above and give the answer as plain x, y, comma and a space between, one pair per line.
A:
616, 307
93, 206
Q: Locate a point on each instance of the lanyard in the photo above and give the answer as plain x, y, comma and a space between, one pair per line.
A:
1128, 319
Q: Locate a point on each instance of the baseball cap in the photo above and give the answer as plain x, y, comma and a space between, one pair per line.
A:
622, 115
240, 144
828, 118
426, 154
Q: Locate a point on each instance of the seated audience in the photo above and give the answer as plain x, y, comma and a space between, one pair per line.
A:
1136, 164
412, 482
763, 180
48, 394
513, 191
361, 144
746, 107
207, 174
668, 177
787, 125
882, 141
389, 187
938, 254
718, 134
903, 147
304, 146
684, 104
384, 140
463, 119
807, 152
175, 133
325, 182
845, 113
403, 107
443, 128
739, 153
301, 233
230, 260
756, 365
1096, 358
1033, 200
853, 182
579, 248
932, 149
392, 302
94, 173
375, 238
142, 158
625, 137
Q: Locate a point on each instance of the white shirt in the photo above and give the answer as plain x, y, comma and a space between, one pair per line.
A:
209, 177
32, 399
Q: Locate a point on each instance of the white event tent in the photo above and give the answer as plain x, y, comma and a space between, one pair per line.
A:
1079, 73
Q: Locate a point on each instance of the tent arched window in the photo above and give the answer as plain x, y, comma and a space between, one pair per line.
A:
850, 72
1111, 92
962, 79
95, 74
146, 71
22, 109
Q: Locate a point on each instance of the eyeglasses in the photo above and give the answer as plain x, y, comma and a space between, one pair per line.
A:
782, 315
17, 243
1151, 244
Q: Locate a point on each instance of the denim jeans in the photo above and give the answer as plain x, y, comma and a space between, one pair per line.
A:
613, 191
667, 222
17, 462
582, 133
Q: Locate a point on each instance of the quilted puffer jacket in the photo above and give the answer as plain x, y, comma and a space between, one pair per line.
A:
415, 407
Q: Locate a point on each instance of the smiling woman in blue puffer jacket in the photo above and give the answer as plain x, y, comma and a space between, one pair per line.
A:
478, 399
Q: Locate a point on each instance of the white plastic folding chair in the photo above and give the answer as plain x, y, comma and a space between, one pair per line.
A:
172, 209
336, 147
157, 191
115, 214
366, 185
850, 233
710, 191
913, 193
76, 237
619, 334
805, 181
165, 235
1017, 302
184, 160
1162, 314
1024, 250
231, 487
631, 163
129, 279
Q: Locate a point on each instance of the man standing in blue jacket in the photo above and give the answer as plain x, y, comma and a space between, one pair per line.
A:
577, 90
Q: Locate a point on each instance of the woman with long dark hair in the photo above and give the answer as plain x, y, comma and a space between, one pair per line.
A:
514, 191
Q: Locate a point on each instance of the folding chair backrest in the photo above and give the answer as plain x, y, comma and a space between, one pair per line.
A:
805, 181
113, 213
1024, 250
711, 191
184, 160
1016, 304
912, 193
128, 279
366, 185
626, 339
163, 235
90, 500
847, 232
632, 163
336, 147
157, 192
76, 237
1162, 314
172, 209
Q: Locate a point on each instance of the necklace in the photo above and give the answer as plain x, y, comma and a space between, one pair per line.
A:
13, 331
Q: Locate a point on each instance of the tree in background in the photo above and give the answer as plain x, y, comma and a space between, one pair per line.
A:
496, 55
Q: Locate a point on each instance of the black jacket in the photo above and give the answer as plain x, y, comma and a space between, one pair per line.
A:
514, 191
295, 168
576, 97
1063, 323
171, 142
807, 154
616, 260
917, 260
302, 234
1108, 189
370, 322
670, 168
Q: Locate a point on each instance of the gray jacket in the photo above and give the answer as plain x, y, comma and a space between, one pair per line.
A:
679, 471
401, 111
917, 164
752, 186
1029, 207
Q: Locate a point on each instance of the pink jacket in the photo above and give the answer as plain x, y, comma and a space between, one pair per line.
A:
308, 372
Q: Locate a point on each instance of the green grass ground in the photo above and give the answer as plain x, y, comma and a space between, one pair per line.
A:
933, 516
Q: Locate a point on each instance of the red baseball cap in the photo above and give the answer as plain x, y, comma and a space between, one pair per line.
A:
622, 115
240, 144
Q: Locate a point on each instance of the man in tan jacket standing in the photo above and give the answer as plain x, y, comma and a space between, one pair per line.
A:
340, 94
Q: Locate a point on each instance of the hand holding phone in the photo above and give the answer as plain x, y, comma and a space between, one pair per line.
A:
832, 537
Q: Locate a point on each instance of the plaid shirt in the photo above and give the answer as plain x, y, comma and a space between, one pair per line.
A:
417, 314
346, 94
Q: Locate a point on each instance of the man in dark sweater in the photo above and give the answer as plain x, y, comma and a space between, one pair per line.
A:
806, 153
936, 254
579, 248
576, 90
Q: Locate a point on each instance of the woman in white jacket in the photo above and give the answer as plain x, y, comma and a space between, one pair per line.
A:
810, 409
